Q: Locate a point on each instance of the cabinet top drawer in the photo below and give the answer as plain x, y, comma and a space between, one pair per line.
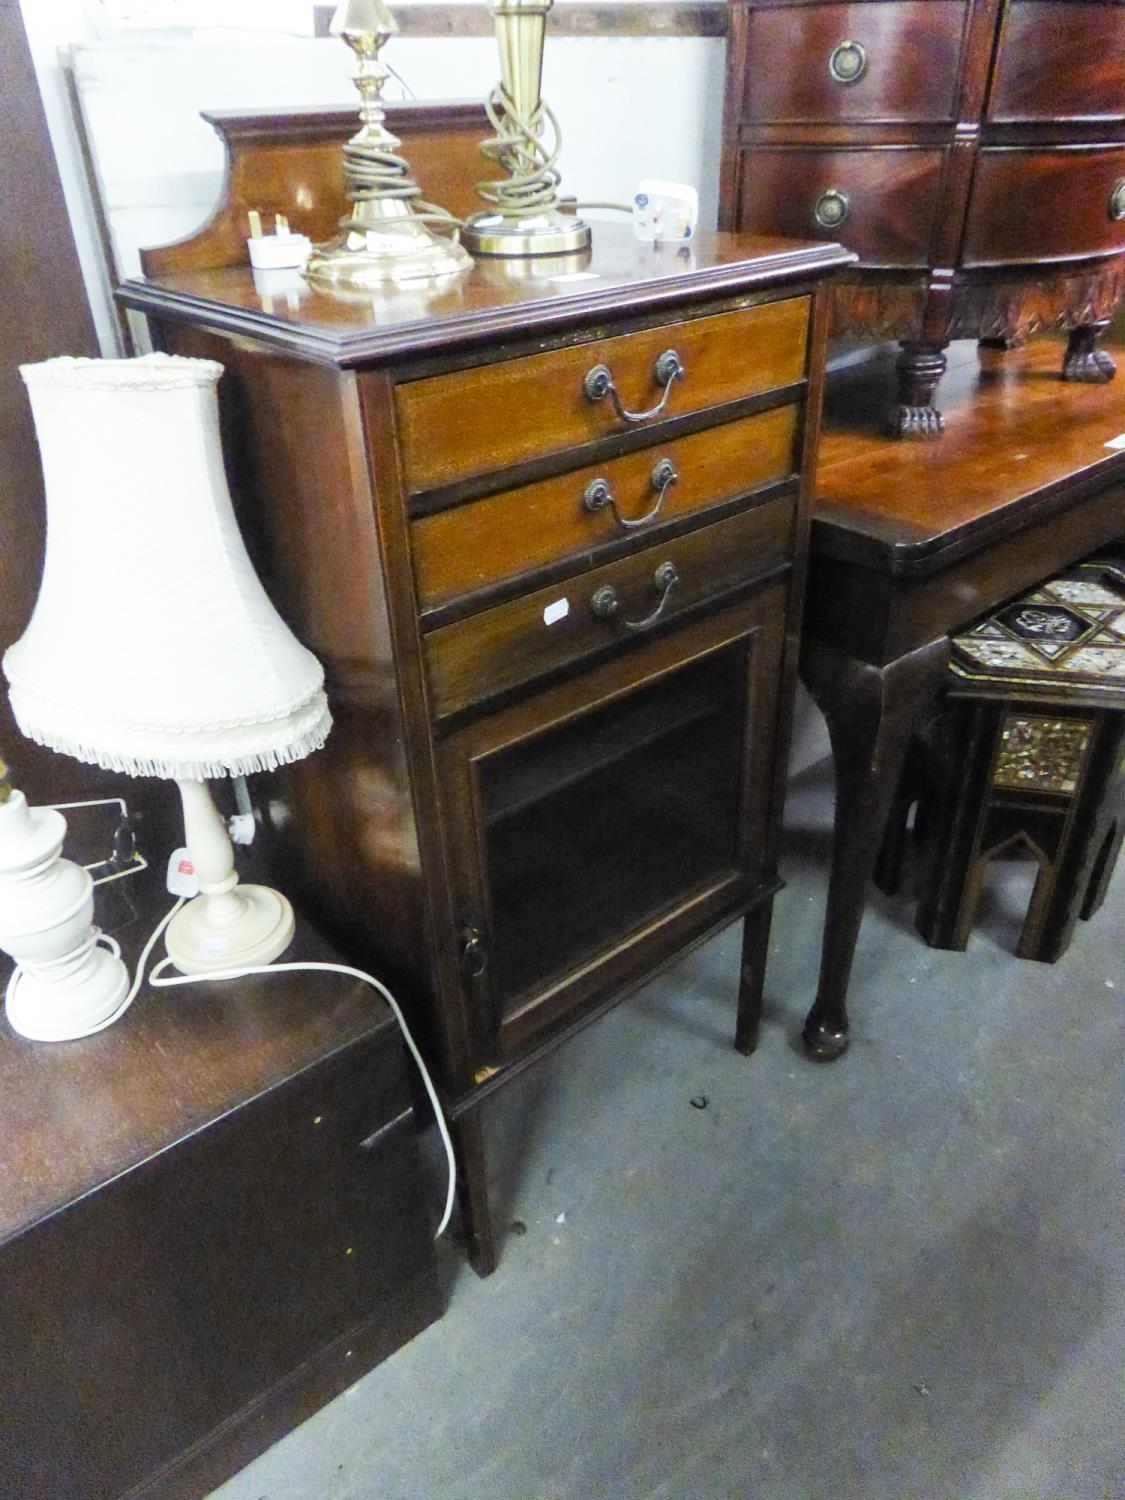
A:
491, 653
867, 61
1059, 59
457, 426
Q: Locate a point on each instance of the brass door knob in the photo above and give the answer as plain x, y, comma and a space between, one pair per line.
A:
848, 62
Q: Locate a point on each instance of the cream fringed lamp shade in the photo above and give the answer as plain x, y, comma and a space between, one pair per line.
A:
153, 648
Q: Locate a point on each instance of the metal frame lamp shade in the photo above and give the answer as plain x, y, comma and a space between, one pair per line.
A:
153, 648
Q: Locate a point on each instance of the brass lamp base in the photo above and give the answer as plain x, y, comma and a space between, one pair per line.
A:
548, 232
365, 259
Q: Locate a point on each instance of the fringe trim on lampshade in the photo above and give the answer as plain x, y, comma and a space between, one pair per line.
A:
268, 758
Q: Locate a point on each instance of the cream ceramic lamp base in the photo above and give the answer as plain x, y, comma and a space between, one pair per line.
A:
227, 926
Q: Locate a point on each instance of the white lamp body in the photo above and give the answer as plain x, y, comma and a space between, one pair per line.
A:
67, 985
153, 648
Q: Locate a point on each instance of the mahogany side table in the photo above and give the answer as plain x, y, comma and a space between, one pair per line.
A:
910, 543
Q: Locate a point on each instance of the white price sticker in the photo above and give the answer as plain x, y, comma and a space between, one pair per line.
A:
557, 611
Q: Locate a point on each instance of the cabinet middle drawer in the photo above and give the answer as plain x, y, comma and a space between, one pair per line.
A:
469, 547
472, 422
516, 643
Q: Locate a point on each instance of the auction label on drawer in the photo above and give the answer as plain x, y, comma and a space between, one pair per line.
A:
556, 611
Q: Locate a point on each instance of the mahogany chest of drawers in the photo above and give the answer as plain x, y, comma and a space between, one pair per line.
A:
211, 1223
971, 153
545, 526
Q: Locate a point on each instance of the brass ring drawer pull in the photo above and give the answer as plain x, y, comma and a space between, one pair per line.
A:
848, 62
599, 496
831, 208
1117, 202
667, 370
606, 604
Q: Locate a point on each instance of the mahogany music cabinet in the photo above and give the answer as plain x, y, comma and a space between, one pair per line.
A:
971, 152
545, 525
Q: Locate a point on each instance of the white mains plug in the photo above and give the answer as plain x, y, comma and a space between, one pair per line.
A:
665, 212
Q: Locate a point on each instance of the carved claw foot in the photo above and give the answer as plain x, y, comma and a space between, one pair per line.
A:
823, 1041
919, 368
916, 422
1083, 360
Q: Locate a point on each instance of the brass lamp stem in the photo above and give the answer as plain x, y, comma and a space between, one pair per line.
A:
386, 238
524, 217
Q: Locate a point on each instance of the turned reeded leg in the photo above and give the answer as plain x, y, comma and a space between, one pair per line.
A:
1083, 360
472, 1191
752, 975
919, 368
871, 712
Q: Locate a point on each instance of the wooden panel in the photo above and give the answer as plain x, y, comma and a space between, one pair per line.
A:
1059, 59
892, 196
469, 546
911, 52
520, 641
454, 426
45, 312
1030, 206
290, 163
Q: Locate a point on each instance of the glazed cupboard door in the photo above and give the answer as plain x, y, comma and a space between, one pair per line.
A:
598, 825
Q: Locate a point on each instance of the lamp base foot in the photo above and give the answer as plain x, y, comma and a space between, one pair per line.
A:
198, 945
64, 1010
550, 233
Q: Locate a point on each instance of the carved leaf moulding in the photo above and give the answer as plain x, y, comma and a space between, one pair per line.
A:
1008, 307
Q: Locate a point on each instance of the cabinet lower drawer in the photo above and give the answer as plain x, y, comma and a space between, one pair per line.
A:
453, 427
866, 61
880, 203
521, 641
468, 547
1061, 204
1060, 59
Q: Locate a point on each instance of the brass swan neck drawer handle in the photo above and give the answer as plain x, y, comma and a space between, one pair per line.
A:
598, 495
598, 384
606, 604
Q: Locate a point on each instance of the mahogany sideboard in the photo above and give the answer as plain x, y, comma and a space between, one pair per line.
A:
545, 524
972, 153
908, 546
210, 1224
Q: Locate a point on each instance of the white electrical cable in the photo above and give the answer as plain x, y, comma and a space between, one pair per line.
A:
139, 861
160, 983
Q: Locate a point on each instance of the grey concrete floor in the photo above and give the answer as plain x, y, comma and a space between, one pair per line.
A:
898, 1277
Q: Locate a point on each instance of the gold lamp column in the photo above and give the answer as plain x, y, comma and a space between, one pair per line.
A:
386, 239
525, 218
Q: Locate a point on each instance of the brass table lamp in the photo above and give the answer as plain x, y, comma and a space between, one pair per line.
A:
387, 238
525, 218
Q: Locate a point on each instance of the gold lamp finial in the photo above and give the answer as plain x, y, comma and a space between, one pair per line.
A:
387, 237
